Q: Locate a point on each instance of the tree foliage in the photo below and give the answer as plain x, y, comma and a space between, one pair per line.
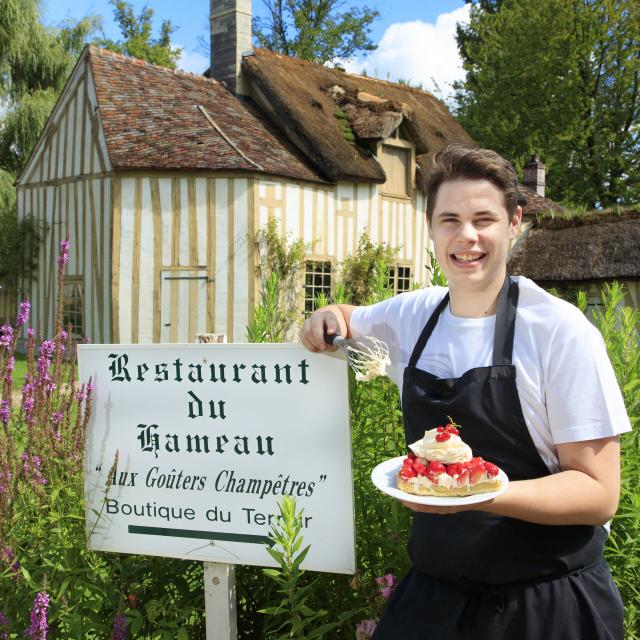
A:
35, 62
560, 78
315, 30
137, 40
359, 270
19, 239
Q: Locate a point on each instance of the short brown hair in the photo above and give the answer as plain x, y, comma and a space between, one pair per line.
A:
457, 162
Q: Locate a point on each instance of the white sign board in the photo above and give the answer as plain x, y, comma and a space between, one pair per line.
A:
209, 438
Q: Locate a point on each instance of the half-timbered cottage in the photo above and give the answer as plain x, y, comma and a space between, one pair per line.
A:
161, 179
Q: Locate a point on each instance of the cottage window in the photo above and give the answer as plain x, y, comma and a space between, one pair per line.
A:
317, 280
72, 304
400, 278
396, 157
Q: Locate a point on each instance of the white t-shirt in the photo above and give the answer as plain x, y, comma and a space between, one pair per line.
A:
565, 381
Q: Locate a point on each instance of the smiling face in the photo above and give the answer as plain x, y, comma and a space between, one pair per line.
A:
471, 233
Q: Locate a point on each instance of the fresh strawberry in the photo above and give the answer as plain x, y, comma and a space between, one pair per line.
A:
476, 463
454, 468
411, 455
420, 469
463, 477
406, 473
491, 469
436, 468
475, 475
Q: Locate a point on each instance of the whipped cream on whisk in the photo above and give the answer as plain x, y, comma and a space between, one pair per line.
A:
374, 369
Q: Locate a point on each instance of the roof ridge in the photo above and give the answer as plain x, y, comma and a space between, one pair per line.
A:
108, 53
346, 73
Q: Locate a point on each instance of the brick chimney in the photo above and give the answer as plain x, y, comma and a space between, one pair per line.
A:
230, 22
534, 175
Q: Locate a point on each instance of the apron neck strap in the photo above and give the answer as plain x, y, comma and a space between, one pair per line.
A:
505, 322
504, 330
428, 330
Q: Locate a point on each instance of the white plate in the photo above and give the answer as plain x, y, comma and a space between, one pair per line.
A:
384, 477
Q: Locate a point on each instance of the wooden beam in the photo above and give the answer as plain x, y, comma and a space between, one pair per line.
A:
193, 306
175, 256
211, 254
115, 259
252, 227
135, 262
230, 257
157, 257
95, 264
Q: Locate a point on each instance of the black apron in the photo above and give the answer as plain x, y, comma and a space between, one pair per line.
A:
475, 571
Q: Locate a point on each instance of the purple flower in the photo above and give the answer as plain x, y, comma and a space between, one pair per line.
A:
6, 336
5, 479
63, 258
81, 395
31, 465
63, 335
387, 584
30, 332
23, 314
4, 626
9, 558
47, 348
119, 628
4, 412
38, 628
57, 417
365, 629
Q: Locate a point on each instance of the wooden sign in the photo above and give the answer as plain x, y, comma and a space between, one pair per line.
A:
190, 447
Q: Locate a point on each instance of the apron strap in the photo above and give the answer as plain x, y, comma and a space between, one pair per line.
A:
504, 329
505, 322
428, 330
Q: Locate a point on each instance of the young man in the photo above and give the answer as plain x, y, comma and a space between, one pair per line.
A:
529, 380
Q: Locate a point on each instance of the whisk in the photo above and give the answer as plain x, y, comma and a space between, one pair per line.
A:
368, 357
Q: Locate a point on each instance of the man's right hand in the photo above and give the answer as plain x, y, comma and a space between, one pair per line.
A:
334, 318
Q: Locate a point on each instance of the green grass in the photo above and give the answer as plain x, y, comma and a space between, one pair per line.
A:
19, 370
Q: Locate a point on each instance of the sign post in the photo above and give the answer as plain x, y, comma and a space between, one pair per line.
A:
197, 444
219, 579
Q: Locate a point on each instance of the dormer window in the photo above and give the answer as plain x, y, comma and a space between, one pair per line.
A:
397, 157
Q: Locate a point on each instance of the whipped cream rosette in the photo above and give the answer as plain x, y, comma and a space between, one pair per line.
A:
441, 464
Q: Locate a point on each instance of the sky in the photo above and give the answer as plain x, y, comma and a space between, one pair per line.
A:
415, 38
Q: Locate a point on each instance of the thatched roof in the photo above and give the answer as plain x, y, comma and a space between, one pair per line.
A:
598, 246
333, 116
157, 118
533, 203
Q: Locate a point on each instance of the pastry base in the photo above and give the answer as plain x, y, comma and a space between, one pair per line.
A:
435, 490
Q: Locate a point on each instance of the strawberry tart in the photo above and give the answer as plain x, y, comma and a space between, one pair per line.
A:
441, 464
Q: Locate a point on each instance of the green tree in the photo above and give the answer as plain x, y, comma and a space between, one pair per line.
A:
315, 30
35, 61
137, 38
560, 78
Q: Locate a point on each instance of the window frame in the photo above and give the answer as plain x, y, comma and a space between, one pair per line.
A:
400, 143
396, 266
73, 280
317, 258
